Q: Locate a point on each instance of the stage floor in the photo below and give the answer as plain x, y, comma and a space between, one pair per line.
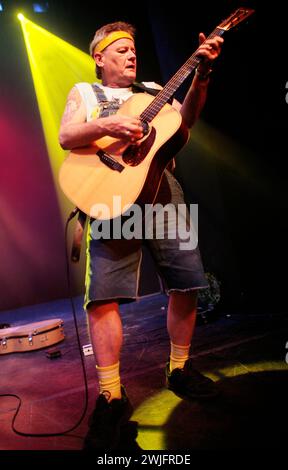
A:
245, 352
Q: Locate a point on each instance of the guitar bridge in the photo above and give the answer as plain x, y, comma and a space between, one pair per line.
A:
110, 161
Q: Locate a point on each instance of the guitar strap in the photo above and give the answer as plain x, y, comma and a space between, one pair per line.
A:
106, 109
141, 88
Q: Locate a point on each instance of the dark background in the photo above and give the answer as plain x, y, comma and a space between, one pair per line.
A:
242, 199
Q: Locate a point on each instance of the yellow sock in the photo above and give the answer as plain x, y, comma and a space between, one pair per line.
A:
109, 381
178, 356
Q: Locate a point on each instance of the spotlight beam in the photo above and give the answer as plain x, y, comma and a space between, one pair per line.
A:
55, 66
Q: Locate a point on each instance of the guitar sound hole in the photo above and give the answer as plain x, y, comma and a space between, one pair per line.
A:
135, 154
145, 127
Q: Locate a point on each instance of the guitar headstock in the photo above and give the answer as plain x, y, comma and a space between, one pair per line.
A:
237, 17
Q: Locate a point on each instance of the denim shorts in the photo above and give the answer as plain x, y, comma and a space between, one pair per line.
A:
113, 265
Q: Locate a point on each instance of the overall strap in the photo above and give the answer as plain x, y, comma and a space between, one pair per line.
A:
99, 93
106, 107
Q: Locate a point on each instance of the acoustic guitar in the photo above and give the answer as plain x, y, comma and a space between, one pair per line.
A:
106, 178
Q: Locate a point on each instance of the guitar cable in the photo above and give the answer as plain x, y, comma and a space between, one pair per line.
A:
20, 433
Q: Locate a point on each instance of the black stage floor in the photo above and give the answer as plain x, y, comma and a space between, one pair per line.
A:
244, 352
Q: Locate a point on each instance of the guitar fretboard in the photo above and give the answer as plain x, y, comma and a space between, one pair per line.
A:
174, 83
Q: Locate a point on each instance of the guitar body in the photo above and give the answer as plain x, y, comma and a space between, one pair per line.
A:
103, 192
31, 336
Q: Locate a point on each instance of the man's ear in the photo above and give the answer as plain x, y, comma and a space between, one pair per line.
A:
98, 57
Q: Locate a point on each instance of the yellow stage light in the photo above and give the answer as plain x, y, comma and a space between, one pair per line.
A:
154, 414
56, 66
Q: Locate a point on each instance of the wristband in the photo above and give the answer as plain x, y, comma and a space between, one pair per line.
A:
203, 76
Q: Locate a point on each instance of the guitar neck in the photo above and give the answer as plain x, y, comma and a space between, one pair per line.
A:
174, 83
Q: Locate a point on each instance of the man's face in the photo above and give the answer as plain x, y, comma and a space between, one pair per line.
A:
118, 63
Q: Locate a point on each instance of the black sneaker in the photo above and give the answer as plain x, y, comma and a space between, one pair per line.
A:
106, 421
189, 383
128, 436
